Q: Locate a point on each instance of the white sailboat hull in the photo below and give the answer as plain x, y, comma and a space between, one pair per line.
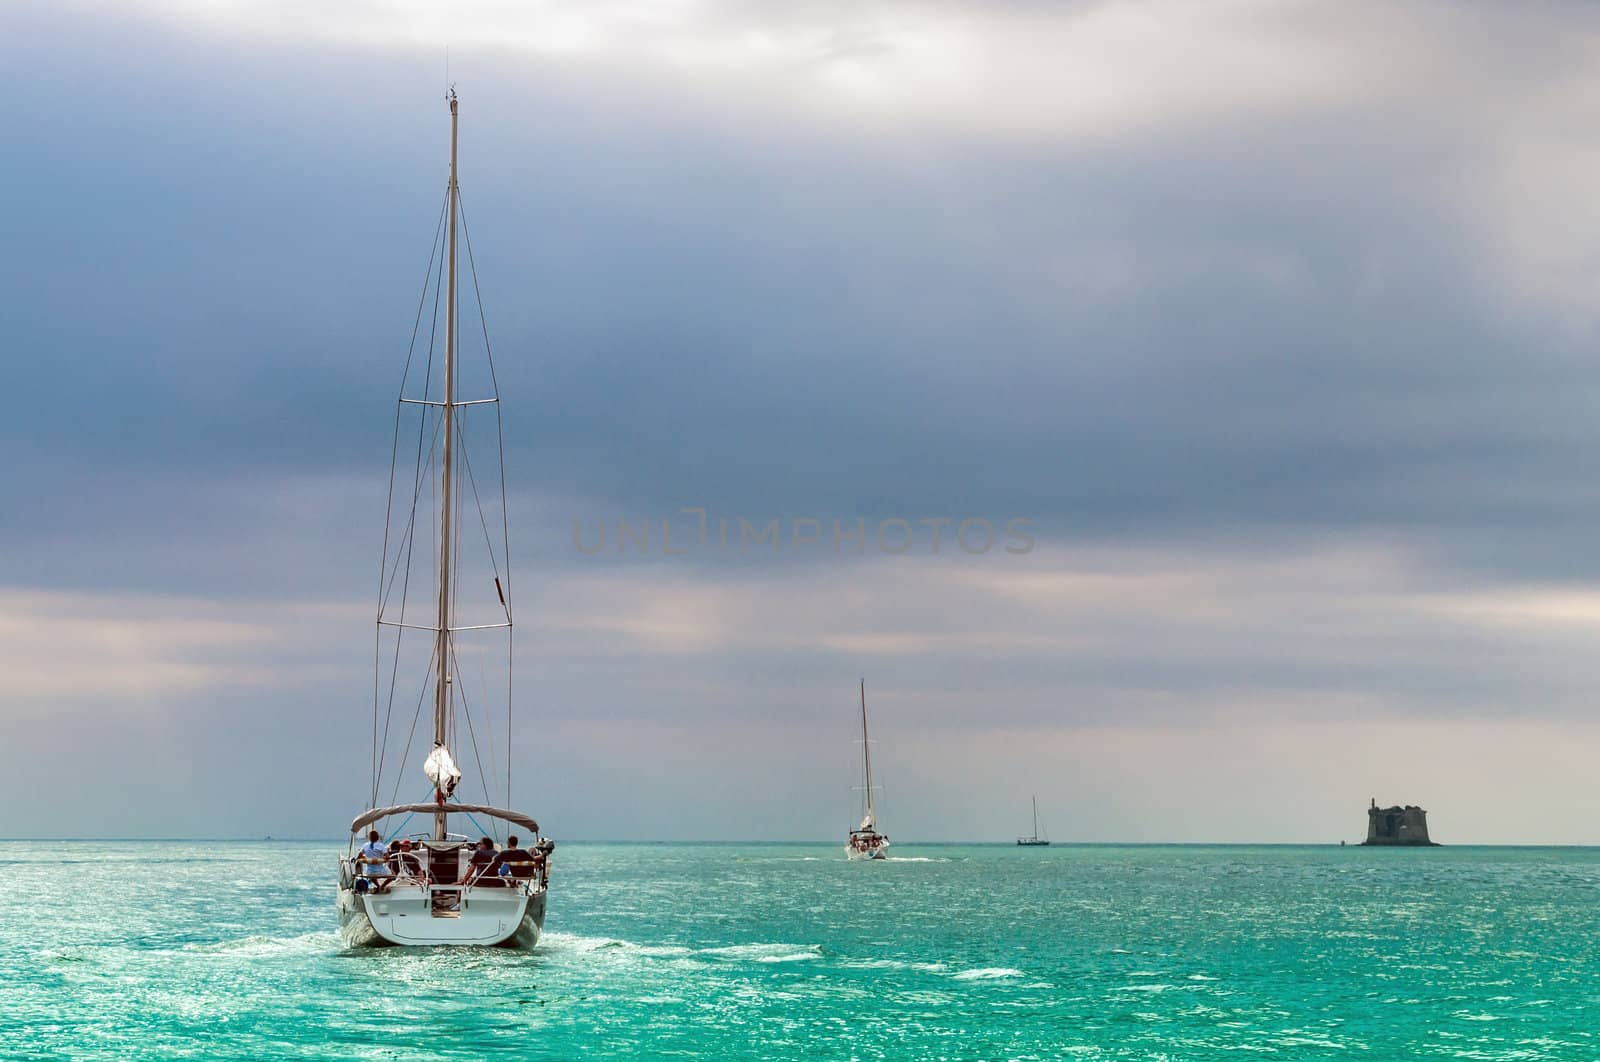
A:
406, 916
880, 850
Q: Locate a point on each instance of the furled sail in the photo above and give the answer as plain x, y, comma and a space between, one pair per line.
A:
442, 770
866, 823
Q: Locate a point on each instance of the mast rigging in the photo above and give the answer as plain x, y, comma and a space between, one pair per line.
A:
441, 703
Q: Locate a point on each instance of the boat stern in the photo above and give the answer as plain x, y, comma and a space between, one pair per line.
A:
423, 916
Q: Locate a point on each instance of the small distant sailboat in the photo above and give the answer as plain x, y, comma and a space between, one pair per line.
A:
865, 842
1034, 840
441, 892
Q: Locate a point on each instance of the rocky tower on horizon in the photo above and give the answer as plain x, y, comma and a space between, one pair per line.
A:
1397, 825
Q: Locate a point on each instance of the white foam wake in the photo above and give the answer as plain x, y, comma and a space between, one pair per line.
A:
987, 973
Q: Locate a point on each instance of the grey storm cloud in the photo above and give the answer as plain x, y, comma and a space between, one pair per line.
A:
1253, 320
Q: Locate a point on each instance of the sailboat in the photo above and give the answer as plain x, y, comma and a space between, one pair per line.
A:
1034, 840
865, 842
436, 889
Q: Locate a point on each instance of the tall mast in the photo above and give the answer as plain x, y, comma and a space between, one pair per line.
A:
866, 754
1036, 816
441, 696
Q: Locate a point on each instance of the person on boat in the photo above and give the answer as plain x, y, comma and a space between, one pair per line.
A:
484, 864
541, 860
372, 862
515, 863
402, 863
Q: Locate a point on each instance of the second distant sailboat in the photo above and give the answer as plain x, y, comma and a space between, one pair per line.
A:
865, 842
1035, 841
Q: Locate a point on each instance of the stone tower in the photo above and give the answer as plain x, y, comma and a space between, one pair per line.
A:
1397, 825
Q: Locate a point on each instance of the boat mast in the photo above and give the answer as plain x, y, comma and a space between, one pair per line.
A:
866, 756
1036, 816
441, 696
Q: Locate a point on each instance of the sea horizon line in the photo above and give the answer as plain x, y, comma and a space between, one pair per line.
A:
828, 842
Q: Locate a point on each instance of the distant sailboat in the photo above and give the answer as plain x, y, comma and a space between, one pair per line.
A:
440, 892
1034, 841
865, 842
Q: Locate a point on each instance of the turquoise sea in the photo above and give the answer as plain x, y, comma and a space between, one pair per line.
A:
113, 950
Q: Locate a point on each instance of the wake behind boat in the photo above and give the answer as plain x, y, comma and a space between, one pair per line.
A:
435, 886
865, 842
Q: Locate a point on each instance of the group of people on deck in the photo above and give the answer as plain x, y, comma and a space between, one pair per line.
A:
510, 864
866, 842
381, 864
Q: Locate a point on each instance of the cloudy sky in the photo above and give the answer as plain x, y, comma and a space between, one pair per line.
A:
1274, 321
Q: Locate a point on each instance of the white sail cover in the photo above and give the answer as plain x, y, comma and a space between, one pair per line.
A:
442, 770
866, 823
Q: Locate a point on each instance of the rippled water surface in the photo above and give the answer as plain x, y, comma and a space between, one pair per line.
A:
119, 950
